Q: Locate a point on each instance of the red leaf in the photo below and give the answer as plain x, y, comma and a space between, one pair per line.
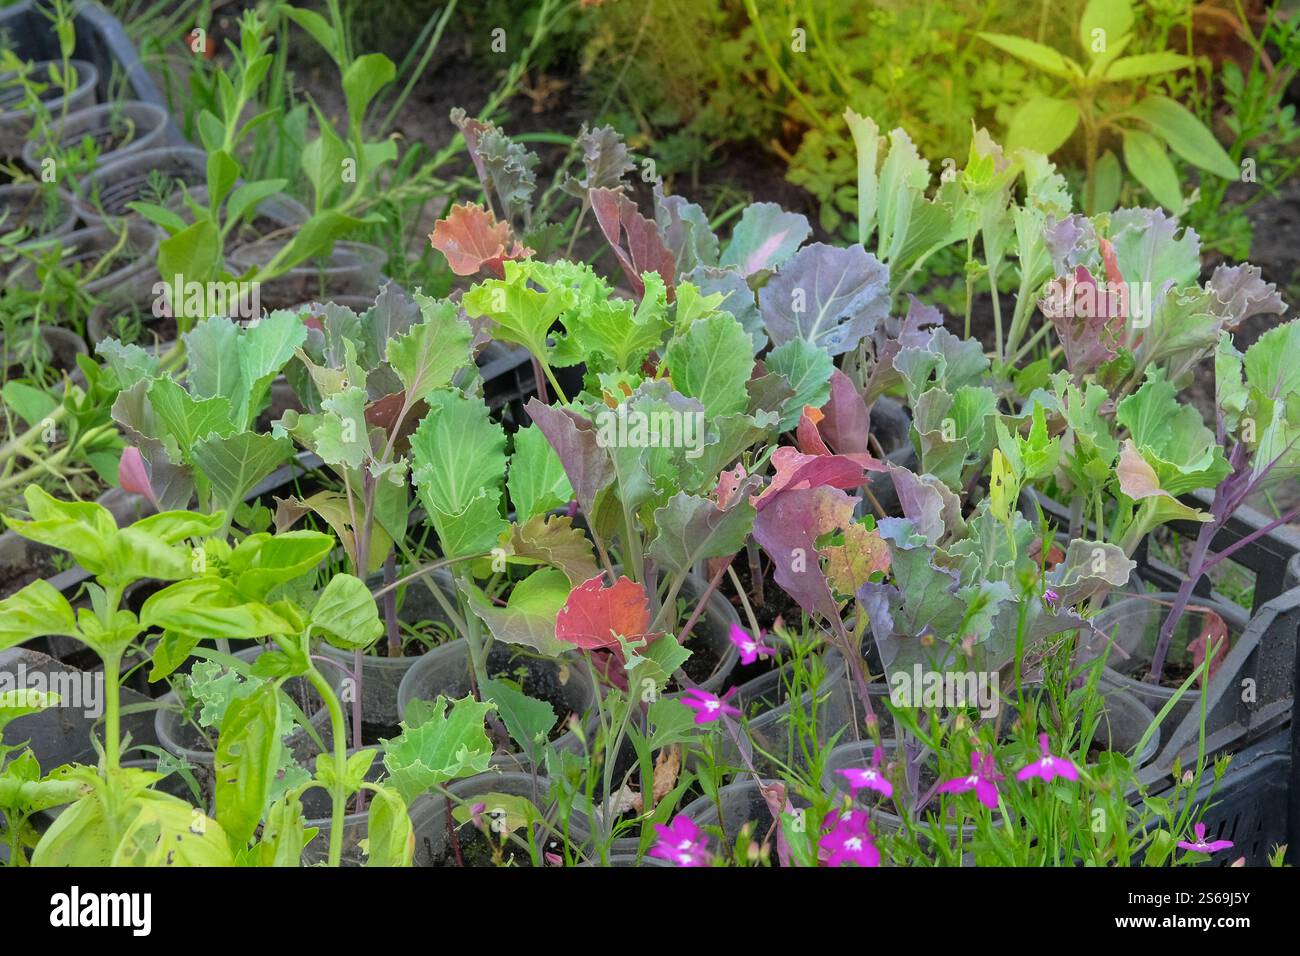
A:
645, 250
1213, 635
594, 617
473, 241
846, 418
795, 471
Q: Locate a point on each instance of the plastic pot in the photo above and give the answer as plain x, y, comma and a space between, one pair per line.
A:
274, 214
147, 123
55, 346
1123, 722
429, 816
766, 701
713, 629
741, 803
45, 210
16, 123
126, 280
128, 178
353, 268
381, 677
1134, 623
445, 671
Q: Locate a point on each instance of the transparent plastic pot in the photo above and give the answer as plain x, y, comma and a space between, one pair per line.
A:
741, 803
274, 215
129, 178
713, 628
429, 814
147, 122
352, 268
445, 671
128, 279
25, 204
1124, 720
16, 123
381, 677
1134, 623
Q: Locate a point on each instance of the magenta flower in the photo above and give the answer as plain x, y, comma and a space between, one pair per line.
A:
682, 843
709, 707
848, 840
1048, 767
868, 778
1200, 846
1051, 597
751, 648
983, 780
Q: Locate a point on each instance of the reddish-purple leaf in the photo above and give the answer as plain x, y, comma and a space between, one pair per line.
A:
845, 418
133, 475
576, 441
645, 250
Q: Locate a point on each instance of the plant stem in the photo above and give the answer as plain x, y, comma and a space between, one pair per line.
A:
112, 710
338, 792
1195, 567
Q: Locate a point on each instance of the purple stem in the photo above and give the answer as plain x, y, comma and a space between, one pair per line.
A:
1195, 568
390, 606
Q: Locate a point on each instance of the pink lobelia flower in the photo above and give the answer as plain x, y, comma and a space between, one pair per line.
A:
1051, 597
709, 707
868, 778
983, 780
1048, 767
750, 648
1200, 846
848, 840
682, 843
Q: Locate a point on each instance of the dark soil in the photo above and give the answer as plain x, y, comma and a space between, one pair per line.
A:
476, 849
775, 603
704, 659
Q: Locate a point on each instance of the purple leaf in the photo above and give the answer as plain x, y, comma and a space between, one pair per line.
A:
645, 250
830, 296
788, 529
846, 418
576, 441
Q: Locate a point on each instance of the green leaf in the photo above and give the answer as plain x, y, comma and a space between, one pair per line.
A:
390, 840
537, 481
528, 617
1107, 178
459, 461
187, 420
234, 464
528, 720
1114, 18
1146, 64
210, 608
262, 561
1043, 124
38, 610
521, 315
711, 362
1147, 160
1172, 437
248, 196
239, 362
1035, 54
691, 529
365, 76
247, 757
347, 613
317, 26
450, 743
223, 172
1185, 134
808, 370
194, 253
31, 404
171, 652
432, 351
